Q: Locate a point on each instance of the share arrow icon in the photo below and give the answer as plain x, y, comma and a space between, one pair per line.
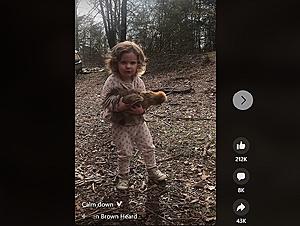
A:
241, 207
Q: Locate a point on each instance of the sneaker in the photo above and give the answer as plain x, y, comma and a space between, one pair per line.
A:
156, 175
122, 184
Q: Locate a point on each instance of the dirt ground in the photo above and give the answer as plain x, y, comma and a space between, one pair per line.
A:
184, 133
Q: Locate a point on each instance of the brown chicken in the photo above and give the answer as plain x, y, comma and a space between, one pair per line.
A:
132, 97
145, 99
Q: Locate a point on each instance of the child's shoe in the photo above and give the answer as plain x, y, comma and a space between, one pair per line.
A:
156, 175
122, 183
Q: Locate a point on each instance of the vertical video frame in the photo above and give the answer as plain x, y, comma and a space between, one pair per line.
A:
177, 38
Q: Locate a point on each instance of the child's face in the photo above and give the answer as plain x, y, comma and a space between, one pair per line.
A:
127, 66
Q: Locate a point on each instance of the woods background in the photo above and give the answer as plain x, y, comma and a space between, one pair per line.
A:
161, 27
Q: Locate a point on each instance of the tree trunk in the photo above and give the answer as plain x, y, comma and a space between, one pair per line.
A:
106, 23
76, 27
123, 27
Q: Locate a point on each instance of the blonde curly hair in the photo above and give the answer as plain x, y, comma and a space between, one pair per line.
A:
125, 47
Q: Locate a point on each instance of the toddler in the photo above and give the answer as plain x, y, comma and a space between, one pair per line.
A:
126, 64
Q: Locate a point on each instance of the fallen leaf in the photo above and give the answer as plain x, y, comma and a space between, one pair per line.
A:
211, 187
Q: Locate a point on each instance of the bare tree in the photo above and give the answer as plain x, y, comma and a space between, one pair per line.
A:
76, 25
123, 27
114, 16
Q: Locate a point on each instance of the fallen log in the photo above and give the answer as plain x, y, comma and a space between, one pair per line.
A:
169, 90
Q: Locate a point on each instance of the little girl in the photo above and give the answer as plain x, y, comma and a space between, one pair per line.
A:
127, 63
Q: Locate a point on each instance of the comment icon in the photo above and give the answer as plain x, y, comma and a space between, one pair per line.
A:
241, 176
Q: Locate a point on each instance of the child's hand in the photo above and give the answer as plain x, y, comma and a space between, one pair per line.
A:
122, 106
137, 110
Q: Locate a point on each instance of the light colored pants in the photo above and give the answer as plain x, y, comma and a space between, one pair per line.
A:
124, 137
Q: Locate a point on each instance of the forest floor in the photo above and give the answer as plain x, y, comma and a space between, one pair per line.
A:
184, 133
